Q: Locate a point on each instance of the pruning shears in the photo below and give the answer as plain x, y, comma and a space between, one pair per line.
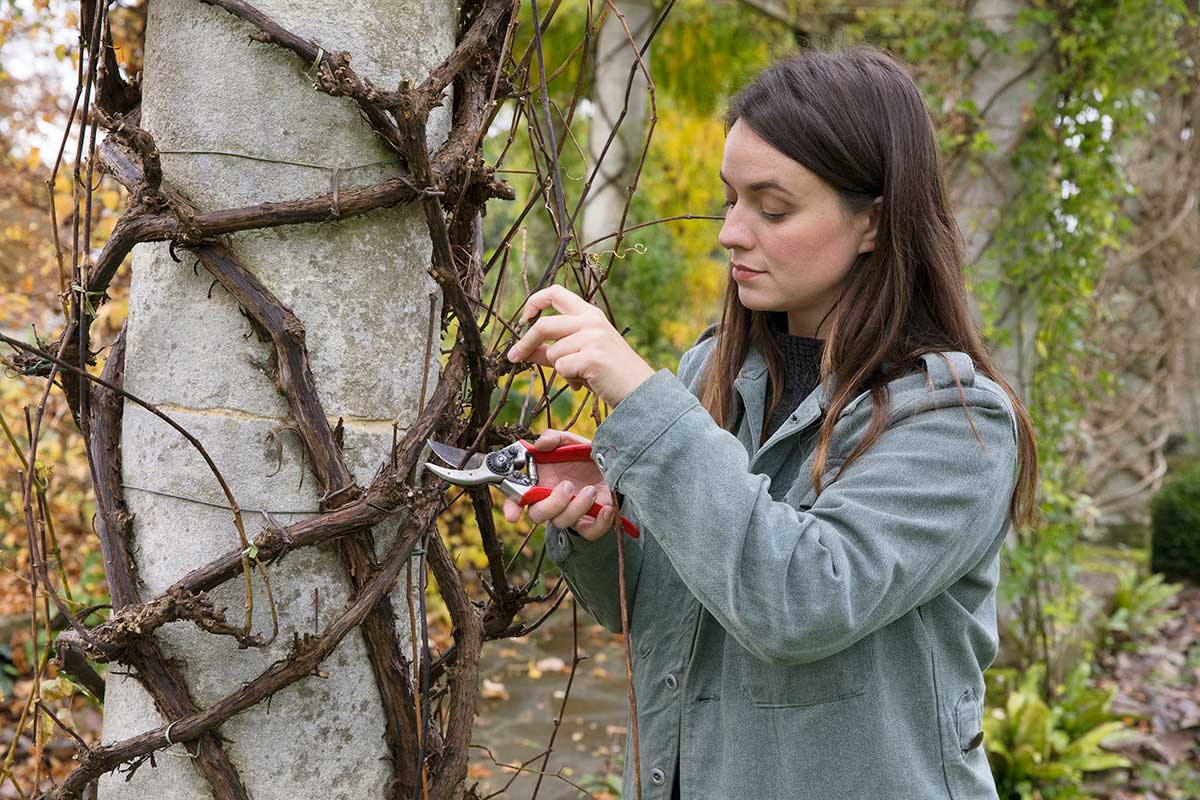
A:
512, 470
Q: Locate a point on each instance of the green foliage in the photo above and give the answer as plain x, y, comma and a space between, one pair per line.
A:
731, 43
1134, 607
1040, 749
1178, 781
8, 672
1175, 526
609, 784
1051, 246
940, 42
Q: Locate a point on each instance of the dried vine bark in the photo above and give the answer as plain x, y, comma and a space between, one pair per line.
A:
294, 379
304, 661
454, 182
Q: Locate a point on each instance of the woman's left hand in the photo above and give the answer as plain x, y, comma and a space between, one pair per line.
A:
587, 350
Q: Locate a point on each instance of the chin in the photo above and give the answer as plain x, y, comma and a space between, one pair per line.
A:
755, 301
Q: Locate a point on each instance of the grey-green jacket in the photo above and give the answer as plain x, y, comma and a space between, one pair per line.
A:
790, 645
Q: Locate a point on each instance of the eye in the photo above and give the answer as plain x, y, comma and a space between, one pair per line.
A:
766, 214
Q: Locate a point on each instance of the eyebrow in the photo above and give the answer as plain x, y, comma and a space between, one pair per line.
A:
758, 186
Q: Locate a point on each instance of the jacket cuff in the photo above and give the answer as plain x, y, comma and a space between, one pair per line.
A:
645, 414
564, 543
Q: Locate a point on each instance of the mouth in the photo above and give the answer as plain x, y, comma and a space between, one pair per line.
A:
740, 272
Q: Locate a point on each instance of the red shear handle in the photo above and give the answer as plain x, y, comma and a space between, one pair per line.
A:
537, 493
580, 451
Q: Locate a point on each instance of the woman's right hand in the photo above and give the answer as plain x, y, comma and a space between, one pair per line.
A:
581, 478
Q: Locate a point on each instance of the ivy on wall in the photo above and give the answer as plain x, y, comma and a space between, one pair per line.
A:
1050, 249
1106, 59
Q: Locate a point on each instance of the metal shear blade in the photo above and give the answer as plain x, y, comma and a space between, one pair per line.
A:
475, 471
454, 456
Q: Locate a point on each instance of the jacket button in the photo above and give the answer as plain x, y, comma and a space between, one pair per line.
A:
657, 776
672, 684
976, 740
599, 459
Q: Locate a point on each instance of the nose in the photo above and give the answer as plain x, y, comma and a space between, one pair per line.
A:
734, 231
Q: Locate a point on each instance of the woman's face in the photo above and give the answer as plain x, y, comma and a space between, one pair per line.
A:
790, 226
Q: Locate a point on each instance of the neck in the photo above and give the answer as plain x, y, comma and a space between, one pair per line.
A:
782, 325
807, 323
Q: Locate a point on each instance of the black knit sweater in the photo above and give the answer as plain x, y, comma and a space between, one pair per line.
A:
801, 371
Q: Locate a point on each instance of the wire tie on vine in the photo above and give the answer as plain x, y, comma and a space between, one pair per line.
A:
185, 754
316, 62
334, 180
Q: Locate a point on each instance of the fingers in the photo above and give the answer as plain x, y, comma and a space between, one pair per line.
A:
572, 366
553, 505
595, 528
576, 508
560, 508
561, 298
566, 512
568, 436
549, 440
555, 328
571, 308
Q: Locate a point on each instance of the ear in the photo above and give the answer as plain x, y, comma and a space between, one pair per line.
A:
867, 243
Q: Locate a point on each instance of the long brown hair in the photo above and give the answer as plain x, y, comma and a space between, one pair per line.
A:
855, 117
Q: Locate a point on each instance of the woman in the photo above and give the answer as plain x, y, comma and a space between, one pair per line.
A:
824, 488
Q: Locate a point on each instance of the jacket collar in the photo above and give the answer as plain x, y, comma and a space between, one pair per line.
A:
751, 385
753, 376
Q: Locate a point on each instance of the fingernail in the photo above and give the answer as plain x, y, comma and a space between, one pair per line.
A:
509, 354
588, 491
568, 486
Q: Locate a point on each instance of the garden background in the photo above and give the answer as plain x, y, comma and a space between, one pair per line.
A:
1067, 129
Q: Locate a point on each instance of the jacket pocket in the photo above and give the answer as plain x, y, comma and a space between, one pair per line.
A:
968, 722
839, 676
968, 774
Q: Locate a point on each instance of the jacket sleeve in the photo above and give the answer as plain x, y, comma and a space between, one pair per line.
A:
900, 525
591, 570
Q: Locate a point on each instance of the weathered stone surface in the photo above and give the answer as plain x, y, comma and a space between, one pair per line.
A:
238, 122
191, 346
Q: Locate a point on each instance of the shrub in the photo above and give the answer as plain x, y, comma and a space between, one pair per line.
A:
1175, 527
1042, 750
1135, 608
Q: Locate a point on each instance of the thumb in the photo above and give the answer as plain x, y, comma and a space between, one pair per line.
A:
549, 439
512, 511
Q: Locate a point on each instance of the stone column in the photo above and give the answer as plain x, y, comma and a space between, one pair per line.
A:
239, 122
